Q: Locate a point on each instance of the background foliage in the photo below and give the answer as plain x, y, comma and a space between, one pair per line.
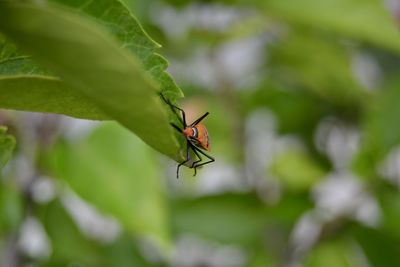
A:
303, 109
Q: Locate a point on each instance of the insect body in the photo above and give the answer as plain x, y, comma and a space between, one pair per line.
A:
197, 139
198, 135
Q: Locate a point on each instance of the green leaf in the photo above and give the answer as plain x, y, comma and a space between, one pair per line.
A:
381, 249
70, 246
68, 243
337, 253
46, 94
260, 257
326, 72
296, 170
298, 111
91, 62
7, 145
365, 20
382, 131
11, 208
117, 173
224, 218
116, 17
389, 202
235, 218
12, 62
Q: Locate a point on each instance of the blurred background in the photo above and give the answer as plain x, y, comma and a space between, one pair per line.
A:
304, 105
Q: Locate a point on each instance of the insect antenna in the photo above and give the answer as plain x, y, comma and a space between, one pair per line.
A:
199, 119
176, 127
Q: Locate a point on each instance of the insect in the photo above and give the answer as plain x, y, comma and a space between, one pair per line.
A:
197, 138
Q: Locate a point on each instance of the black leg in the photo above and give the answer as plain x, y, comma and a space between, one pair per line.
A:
172, 106
176, 127
197, 161
211, 159
199, 119
186, 160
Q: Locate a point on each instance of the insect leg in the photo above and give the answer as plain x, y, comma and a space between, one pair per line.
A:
211, 159
197, 161
172, 106
199, 119
186, 160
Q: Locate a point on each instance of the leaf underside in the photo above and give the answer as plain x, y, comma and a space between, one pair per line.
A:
98, 78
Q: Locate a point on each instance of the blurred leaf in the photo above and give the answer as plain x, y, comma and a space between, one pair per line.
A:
124, 252
390, 207
296, 170
241, 219
382, 130
261, 258
46, 94
337, 253
224, 218
381, 121
7, 144
70, 246
318, 63
218, 125
11, 208
290, 207
90, 62
297, 110
365, 20
118, 174
382, 250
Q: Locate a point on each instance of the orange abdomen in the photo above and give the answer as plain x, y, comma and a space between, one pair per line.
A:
200, 135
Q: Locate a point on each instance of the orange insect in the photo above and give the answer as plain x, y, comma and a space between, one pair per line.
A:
197, 138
